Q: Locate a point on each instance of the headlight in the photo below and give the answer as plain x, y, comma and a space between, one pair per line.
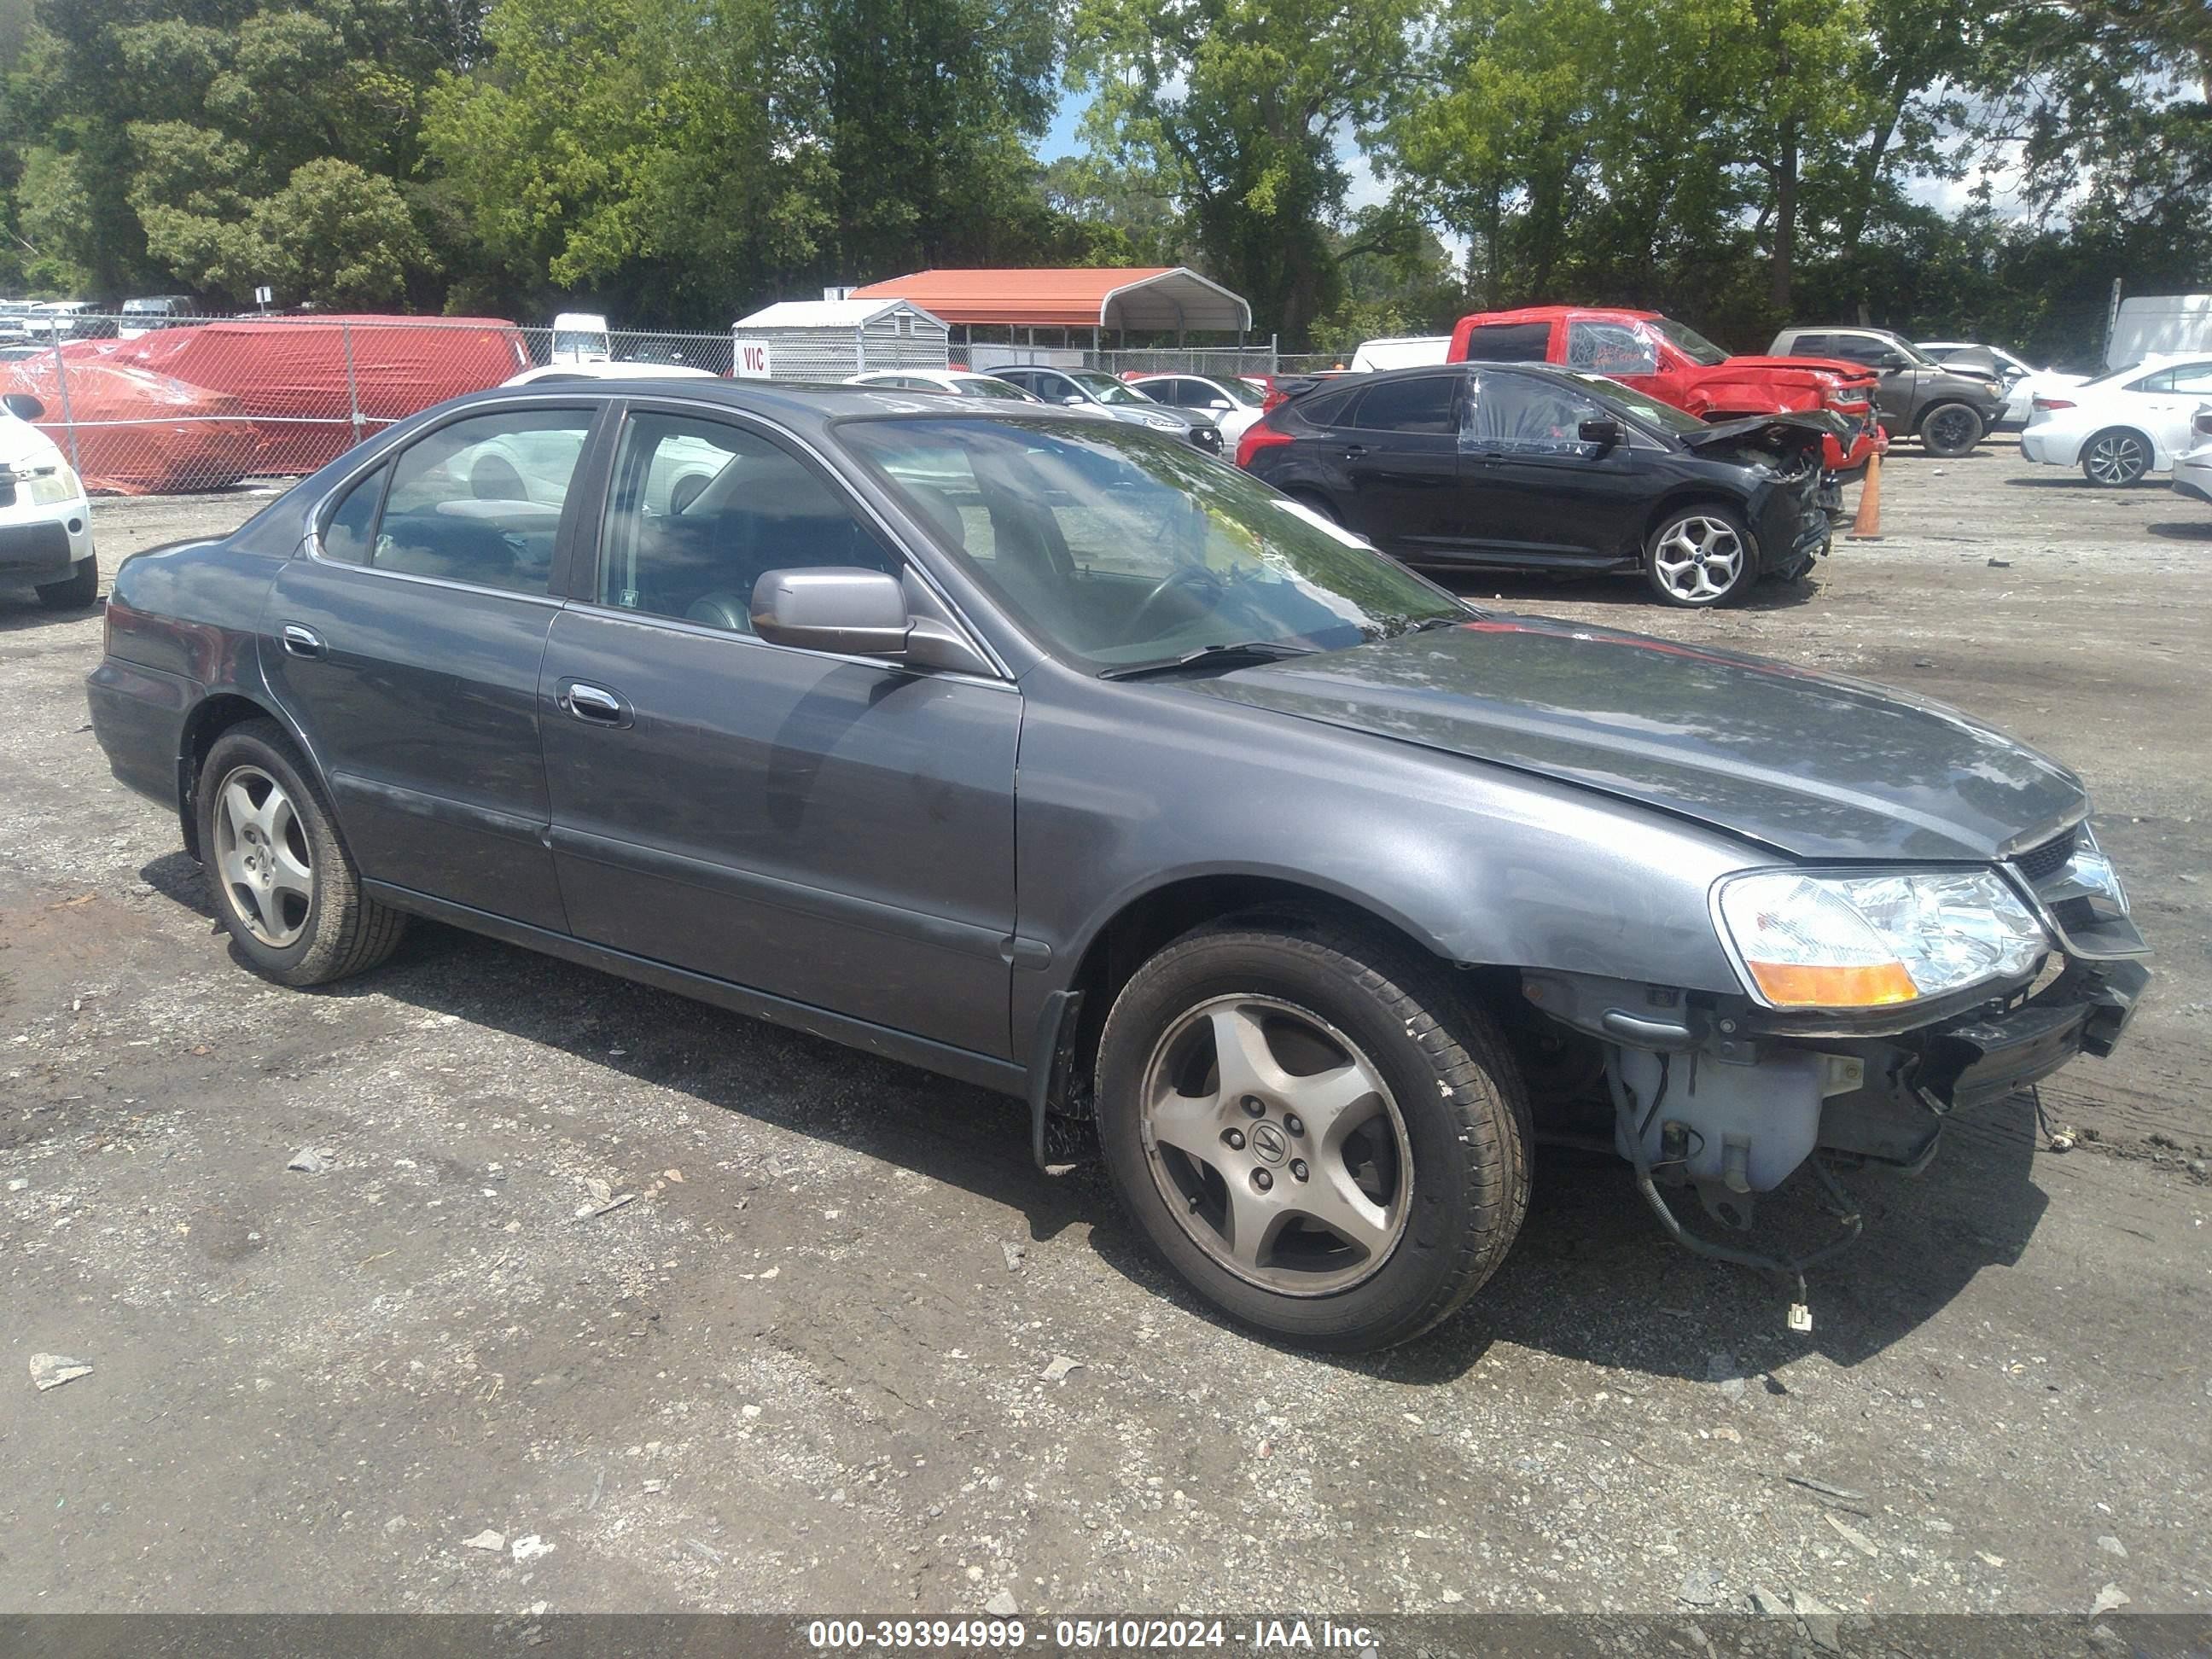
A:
1844, 941
1994, 388
1161, 424
51, 489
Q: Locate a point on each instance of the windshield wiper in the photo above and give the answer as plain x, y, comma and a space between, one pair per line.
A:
1238, 655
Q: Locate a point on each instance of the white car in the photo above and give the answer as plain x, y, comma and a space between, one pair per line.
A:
945, 382
46, 522
2022, 384
2192, 473
2133, 421
1234, 404
600, 369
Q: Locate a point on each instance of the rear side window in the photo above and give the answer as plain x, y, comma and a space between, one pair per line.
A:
1325, 411
1423, 404
480, 499
1509, 342
1611, 349
352, 532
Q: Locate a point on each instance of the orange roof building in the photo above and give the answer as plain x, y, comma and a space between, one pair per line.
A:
1143, 299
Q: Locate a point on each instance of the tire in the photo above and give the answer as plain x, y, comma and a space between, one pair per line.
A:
1424, 1152
1681, 577
1951, 430
283, 882
76, 590
2116, 458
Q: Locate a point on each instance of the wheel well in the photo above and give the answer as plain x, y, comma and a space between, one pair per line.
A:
1149, 923
208, 722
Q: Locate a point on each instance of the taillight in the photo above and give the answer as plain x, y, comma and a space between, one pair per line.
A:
1257, 437
2047, 405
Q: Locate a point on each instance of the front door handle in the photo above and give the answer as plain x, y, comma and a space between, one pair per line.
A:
594, 703
301, 642
1353, 452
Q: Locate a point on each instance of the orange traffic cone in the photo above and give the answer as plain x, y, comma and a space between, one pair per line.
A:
1867, 527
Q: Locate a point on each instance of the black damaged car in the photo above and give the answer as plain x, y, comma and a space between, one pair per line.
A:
1525, 466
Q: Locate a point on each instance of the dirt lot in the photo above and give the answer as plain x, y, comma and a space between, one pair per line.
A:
812, 1365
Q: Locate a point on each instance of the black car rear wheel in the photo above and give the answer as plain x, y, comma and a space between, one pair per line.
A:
1950, 430
1700, 556
1313, 1129
284, 886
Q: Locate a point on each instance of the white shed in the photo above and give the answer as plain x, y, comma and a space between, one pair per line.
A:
831, 339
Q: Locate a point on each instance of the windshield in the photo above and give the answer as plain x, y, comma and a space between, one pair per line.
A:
1649, 410
1116, 547
1107, 389
983, 386
1691, 343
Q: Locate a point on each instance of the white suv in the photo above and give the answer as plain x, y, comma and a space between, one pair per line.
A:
46, 522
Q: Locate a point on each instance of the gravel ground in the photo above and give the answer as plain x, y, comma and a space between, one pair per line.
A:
845, 1349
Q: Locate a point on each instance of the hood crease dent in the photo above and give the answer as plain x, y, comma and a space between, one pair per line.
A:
1818, 766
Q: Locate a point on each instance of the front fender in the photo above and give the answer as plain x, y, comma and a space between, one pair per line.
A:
1127, 790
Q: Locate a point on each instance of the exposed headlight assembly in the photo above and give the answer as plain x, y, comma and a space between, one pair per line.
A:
1864, 941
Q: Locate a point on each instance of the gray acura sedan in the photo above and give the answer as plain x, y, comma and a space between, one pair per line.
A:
1058, 756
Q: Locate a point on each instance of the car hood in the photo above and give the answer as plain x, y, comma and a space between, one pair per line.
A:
1813, 765
1782, 436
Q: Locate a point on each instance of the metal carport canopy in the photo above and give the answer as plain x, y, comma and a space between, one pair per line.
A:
1150, 298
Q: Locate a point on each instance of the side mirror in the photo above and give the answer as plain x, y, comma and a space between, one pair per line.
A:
858, 612
1073, 400
1603, 431
22, 405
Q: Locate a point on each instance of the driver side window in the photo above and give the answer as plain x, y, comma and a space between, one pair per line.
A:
699, 510
1521, 414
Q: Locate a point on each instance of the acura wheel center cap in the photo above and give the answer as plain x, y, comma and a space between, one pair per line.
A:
1269, 1143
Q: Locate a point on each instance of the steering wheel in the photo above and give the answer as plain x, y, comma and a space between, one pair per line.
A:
1188, 575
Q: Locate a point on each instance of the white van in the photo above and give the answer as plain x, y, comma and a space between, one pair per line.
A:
2161, 325
1401, 351
581, 336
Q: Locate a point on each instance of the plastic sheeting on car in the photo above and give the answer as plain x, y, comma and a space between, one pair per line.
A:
137, 433
304, 380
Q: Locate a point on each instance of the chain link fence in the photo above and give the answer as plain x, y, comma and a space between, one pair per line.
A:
168, 404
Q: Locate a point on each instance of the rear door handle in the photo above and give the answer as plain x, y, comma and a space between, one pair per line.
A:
594, 703
1353, 452
301, 642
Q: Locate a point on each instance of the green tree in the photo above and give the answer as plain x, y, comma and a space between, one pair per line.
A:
1239, 107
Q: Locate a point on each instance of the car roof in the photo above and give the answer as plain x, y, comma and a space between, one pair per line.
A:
1554, 314
808, 405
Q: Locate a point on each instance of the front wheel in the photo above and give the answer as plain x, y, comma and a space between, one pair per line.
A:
1950, 430
1700, 556
2118, 458
75, 591
283, 883
1313, 1130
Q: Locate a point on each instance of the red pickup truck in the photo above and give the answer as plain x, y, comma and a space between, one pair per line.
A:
1677, 365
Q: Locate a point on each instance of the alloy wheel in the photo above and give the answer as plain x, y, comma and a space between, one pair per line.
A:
1699, 558
1276, 1145
261, 853
2118, 458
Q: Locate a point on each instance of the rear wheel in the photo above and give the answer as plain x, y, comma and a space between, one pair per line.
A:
1700, 556
2117, 458
1950, 430
283, 885
74, 592
1313, 1130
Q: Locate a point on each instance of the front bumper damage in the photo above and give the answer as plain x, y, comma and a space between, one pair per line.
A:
1728, 1101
